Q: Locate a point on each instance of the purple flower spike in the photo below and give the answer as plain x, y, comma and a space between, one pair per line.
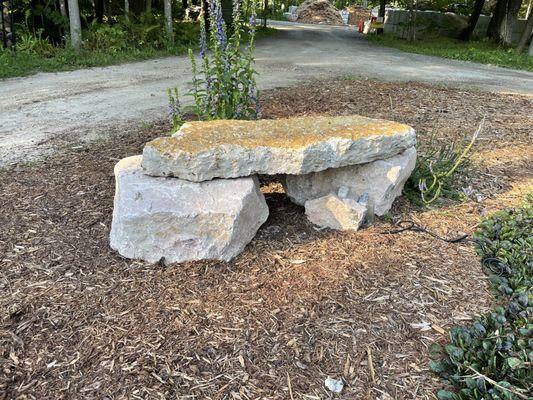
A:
236, 9
252, 22
203, 41
218, 21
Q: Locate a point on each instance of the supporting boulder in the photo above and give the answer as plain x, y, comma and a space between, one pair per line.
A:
334, 212
382, 180
174, 220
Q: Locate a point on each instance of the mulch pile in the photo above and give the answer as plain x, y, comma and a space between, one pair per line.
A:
77, 321
357, 13
319, 12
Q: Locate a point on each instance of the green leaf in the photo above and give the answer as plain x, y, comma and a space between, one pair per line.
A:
514, 362
437, 366
446, 395
454, 352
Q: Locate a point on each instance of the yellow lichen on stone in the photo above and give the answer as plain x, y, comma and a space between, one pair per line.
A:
196, 137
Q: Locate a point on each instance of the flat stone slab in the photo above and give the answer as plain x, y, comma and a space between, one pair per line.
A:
201, 151
175, 220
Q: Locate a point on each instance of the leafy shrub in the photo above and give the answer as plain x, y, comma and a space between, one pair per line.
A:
437, 172
224, 86
104, 37
491, 359
505, 243
106, 46
34, 43
148, 29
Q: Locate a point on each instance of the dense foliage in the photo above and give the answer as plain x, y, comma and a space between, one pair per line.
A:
224, 86
103, 44
505, 243
439, 171
491, 359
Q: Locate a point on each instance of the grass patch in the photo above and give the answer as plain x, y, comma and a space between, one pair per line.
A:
264, 31
14, 64
480, 51
23, 63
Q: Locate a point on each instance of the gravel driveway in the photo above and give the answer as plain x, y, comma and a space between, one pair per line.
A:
38, 111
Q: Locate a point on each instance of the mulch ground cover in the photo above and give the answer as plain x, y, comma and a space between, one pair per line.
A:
77, 321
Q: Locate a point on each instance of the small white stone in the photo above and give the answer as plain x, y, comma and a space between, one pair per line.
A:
383, 180
334, 385
175, 220
332, 212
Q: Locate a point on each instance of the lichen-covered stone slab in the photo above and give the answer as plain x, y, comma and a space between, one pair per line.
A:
201, 151
175, 220
381, 180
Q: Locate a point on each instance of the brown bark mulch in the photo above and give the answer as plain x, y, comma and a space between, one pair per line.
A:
77, 321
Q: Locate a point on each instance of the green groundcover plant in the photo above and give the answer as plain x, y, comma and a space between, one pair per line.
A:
492, 358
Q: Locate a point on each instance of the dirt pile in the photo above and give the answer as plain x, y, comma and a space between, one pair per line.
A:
319, 12
357, 13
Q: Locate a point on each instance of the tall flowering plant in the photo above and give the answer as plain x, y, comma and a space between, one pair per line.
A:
224, 85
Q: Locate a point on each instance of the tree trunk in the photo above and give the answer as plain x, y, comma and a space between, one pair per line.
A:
472, 21
63, 8
148, 6
496, 20
6, 24
99, 10
184, 5
528, 11
526, 34
531, 48
265, 11
411, 34
75, 24
127, 10
503, 21
168, 19
381, 14
509, 22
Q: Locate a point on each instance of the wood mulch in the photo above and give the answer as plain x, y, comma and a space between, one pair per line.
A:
77, 321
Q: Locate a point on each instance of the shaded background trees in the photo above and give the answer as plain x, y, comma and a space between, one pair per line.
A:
121, 24
55, 19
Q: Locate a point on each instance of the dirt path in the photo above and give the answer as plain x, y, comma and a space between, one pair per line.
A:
39, 112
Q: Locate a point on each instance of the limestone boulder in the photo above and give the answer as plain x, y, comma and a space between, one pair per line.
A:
334, 212
174, 220
204, 150
381, 180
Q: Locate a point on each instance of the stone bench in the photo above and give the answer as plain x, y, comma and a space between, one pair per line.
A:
196, 195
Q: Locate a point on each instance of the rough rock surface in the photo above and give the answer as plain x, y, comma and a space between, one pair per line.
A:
336, 213
201, 151
382, 180
175, 220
